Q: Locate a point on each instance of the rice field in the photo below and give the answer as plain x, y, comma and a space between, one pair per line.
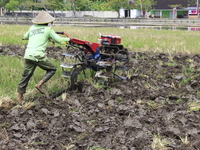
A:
140, 40
167, 41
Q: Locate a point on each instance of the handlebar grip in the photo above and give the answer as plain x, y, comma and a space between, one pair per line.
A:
60, 33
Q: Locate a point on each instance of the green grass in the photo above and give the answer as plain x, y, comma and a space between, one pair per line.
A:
4, 125
159, 142
11, 69
10, 74
97, 148
194, 106
143, 40
167, 41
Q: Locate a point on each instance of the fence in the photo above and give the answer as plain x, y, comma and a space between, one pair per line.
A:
107, 21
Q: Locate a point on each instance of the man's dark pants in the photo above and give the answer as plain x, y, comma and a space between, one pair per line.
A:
29, 68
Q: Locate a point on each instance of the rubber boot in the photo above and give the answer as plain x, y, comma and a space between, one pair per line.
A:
39, 86
20, 97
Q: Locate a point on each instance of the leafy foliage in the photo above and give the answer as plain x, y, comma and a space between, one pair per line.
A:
145, 5
3, 2
11, 5
76, 5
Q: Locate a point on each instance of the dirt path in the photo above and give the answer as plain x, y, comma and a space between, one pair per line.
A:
157, 108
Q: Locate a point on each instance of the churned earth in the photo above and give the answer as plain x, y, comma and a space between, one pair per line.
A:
157, 108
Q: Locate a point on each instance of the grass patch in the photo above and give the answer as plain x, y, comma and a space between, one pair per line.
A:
185, 140
4, 125
97, 148
153, 105
194, 106
185, 80
68, 146
159, 143
138, 40
11, 69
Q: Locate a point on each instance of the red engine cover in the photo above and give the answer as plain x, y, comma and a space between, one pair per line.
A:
111, 39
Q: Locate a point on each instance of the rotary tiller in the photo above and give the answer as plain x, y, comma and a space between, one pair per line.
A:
104, 58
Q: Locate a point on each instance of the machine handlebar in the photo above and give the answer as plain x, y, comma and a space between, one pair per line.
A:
63, 33
90, 46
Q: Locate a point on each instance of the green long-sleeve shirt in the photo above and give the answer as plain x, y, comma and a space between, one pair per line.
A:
38, 36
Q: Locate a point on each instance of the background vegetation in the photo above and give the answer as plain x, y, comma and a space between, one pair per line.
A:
144, 40
76, 5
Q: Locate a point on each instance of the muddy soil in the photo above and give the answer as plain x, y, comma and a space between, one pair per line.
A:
157, 108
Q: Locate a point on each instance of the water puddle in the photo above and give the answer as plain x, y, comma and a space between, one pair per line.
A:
162, 28
135, 27
138, 27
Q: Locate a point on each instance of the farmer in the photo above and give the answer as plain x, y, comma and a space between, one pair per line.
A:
38, 35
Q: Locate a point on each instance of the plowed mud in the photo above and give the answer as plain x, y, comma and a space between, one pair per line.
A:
157, 108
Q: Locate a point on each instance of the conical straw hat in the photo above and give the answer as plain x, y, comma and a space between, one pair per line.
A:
43, 18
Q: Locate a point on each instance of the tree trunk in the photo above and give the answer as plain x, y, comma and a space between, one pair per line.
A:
118, 12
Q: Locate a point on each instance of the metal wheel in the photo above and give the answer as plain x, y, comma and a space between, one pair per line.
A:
74, 77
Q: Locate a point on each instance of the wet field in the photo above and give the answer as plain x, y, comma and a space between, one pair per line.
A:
156, 108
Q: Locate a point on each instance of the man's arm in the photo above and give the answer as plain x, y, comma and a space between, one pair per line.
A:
57, 38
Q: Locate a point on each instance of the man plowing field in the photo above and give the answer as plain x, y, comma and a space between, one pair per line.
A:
105, 58
38, 36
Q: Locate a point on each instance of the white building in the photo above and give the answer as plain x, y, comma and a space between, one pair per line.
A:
132, 13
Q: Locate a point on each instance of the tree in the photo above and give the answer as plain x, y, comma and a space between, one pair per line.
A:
192, 3
144, 5
3, 3
99, 5
26, 5
116, 5
78, 5
53, 4
12, 5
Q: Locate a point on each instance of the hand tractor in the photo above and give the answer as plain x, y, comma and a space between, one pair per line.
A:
104, 58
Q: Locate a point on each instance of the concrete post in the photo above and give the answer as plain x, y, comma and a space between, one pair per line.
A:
160, 13
1, 12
